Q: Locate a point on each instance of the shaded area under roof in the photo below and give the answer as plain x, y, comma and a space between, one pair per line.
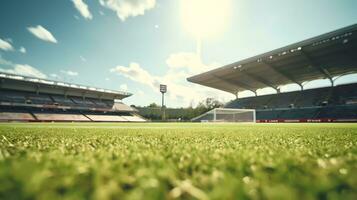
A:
327, 56
30, 84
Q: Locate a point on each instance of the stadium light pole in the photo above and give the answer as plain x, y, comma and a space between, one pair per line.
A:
163, 90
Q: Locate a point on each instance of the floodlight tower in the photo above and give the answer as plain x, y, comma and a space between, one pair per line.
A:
163, 90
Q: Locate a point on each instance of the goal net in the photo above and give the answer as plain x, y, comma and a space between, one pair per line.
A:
227, 115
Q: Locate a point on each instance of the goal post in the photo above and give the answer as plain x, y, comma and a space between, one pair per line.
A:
227, 115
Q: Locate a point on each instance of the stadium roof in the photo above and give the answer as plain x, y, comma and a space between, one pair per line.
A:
327, 56
31, 84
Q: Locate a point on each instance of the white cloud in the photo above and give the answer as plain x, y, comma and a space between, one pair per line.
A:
20, 69
123, 87
24, 70
22, 50
101, 13
188, 61
128, 8
69, 72
82, 8
181, 66
42, 34
136, 73
6, 45
107, 79
157, 26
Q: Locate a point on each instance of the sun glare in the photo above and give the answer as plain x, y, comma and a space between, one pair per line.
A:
205, 18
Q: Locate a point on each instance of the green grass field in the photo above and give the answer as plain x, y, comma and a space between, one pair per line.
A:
178, 161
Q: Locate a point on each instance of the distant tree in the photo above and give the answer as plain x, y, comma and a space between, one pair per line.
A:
213, 103
153, 111
153, 105
204, 106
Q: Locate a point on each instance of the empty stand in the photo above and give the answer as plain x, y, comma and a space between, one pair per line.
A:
339, 112
62, 100
311, 97
12, 96
16, 116
59, 115
107, 118
109, 103
122, 107
306, 98
285, 101
25, 98
83, 102
134, 119
99, 103
339, 102
31, 106
39, 99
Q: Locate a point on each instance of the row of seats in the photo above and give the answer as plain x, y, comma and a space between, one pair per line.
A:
60, 117
339, 102
16, 116
338, 95
23, 116
44, 99
328, 112
107, 118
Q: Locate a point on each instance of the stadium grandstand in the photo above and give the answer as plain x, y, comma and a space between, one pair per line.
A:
328, 56
31, 99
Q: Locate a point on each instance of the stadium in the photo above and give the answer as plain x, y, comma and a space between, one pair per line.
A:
63, 136
328, 56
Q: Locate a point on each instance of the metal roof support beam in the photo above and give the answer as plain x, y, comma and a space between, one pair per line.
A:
260, 80
321, 69
245, 86
284, 74
342, 75
237, 83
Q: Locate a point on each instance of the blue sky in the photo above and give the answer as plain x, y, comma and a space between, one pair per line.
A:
135, 45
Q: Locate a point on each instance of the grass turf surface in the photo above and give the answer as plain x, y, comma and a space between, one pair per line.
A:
184, 161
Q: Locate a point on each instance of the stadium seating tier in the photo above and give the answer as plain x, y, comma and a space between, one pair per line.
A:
339, 102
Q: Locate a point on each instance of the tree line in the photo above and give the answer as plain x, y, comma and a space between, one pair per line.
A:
154, 112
